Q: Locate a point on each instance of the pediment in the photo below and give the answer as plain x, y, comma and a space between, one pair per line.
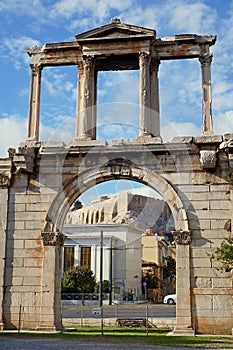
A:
116, 31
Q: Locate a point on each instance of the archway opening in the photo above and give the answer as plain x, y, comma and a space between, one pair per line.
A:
136, 224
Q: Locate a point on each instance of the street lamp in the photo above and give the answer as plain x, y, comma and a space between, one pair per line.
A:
136, 276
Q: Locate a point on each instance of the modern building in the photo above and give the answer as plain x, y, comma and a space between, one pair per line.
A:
155, 252
124, 220
122, 253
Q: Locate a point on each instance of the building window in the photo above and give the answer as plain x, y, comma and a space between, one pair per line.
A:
86, 256
68, 257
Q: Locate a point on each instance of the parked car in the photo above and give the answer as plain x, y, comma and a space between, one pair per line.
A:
170, 299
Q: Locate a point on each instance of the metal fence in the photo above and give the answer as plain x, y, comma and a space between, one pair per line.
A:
112, 315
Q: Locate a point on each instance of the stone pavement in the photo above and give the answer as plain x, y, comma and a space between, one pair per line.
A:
37, 343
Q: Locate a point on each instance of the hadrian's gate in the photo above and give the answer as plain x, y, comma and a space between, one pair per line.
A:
40, 181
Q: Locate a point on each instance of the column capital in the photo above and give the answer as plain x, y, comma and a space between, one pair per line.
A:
206, 58
182, 237
52, 238
155, 62
4, 180
88, 61
144, 58
36, 68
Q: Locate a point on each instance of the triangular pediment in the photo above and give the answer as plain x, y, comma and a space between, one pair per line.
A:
116, 31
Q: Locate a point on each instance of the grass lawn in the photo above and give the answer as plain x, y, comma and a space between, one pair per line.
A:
155, 336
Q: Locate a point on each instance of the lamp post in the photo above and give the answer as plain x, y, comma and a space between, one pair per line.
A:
110, 275
136, 276
101, 269
144, 285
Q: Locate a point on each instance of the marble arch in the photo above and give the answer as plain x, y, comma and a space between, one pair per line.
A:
40, 180
85, 180
73, 189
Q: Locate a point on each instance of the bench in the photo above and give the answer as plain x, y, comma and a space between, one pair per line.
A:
135, 322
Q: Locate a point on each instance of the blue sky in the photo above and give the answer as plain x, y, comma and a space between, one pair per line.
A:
25, 23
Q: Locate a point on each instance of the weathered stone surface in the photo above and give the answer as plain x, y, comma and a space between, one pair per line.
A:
40, 181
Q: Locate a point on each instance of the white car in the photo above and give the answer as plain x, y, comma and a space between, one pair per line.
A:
170, 299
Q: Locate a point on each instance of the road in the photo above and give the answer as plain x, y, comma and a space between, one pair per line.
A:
119, 311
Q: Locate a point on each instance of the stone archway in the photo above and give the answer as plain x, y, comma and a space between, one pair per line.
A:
116, 169
121, 169
41, 180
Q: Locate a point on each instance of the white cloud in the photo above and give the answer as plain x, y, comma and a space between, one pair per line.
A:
13, 130
115, 86
145, 16
64, 130
59, 83
22, 7
173, 129
100, 8
14, 49
223, 102
191, 17
223, 123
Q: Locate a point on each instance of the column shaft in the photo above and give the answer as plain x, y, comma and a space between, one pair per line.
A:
154, 96
207, 123
86, 110
145, 94
50, 317
34, 106
183, 308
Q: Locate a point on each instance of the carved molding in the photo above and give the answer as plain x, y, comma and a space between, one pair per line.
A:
52, 238
182, 237
4, 180
120, 167
206, 58
88, 62
144, 58
208, 158
36, 68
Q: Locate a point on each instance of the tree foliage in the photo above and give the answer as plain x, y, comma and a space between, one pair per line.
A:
150, 279
78, 279
105, 286
170, 269
224, 254
77, 205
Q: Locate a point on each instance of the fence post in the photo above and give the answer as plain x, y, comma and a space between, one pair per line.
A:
20, 311
102, 321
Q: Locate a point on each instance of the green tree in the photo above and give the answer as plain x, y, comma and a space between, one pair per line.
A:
170, 269
78, 279
224, 254
77, 205
105, 286
150, 279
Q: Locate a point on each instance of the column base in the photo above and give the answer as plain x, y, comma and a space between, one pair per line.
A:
182, 331
149, 139
87, 142
1, 326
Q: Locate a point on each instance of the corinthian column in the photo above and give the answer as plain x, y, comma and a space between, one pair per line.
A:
207, 123
86, 110
50, 317
145, 94
183, 308
154, 96
34, 106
